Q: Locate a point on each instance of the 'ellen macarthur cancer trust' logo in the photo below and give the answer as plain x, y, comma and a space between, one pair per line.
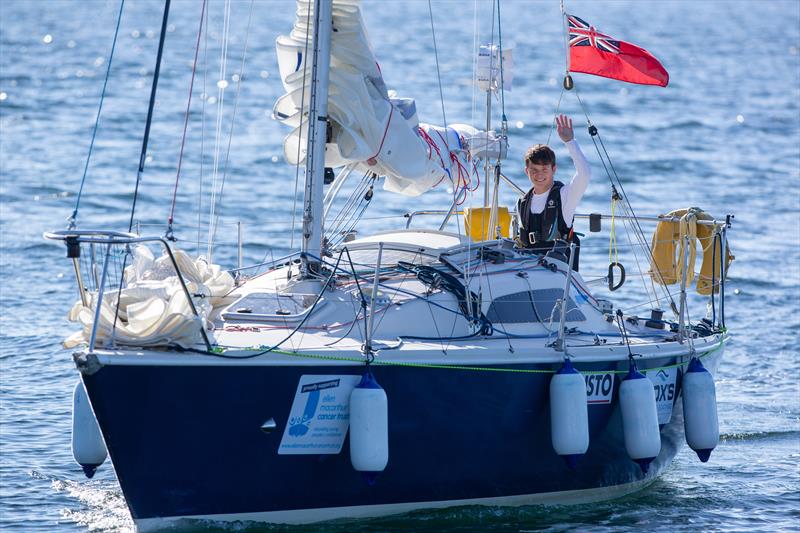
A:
298, 425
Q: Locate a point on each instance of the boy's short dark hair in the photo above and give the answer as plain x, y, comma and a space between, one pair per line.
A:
540, 154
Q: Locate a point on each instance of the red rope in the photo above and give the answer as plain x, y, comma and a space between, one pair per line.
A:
463, 179
372, 160
432, 146
186, 117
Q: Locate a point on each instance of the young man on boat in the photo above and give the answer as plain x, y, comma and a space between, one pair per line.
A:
548, 208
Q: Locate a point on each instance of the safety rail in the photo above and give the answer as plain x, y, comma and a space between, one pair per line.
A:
585, 216
73, 240
410, 216
655, 218
239, 225
595, 226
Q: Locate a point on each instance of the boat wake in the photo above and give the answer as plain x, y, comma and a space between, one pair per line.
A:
760, 435
102, 505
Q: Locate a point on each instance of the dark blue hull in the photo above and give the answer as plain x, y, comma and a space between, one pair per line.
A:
186, 440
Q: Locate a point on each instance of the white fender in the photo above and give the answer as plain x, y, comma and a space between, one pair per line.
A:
369, 426
569, 414
88, 447
637, 400
700, 422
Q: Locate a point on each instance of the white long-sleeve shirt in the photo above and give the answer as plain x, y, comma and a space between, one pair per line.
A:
572, 192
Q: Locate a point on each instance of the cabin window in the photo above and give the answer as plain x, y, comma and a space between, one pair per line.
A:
531, 306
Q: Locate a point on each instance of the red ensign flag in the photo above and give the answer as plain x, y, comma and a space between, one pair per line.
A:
592, 52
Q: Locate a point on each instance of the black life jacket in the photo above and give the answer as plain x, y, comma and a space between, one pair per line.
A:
541, 230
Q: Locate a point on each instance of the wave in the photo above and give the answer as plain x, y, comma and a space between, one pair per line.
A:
759, 435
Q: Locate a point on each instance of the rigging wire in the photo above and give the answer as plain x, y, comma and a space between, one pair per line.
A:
397, 291
438, 72
455, 182
202, 137
346, 222
633, 223
615, 180
475, 47
185, 124
502, 80
143, 154
218, 129
555, 114
233, 122
489, 108
362, 298
74, 217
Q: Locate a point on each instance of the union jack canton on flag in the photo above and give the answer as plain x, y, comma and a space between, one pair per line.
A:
582, 34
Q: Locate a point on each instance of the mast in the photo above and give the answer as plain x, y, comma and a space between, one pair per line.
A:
317, 133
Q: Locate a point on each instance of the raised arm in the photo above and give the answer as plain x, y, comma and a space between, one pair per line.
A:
573, 192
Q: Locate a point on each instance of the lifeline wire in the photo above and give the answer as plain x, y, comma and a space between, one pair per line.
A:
74, 217
502, 369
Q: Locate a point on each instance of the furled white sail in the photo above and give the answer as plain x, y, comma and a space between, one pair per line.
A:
370, 127
152, 309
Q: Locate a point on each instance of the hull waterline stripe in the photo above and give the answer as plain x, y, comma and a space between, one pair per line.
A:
309, 516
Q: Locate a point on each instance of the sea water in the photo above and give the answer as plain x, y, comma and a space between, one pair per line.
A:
725, 136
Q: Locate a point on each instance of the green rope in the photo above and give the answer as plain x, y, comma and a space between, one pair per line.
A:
473, 368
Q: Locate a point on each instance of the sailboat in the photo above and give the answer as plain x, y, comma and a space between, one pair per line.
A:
409, 369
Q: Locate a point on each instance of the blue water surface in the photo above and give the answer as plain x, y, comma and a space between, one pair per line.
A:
725, 135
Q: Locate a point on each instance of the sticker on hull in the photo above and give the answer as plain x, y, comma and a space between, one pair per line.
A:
664, 386
599, 388
320, 415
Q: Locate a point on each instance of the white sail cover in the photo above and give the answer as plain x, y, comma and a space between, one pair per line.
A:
369, 126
